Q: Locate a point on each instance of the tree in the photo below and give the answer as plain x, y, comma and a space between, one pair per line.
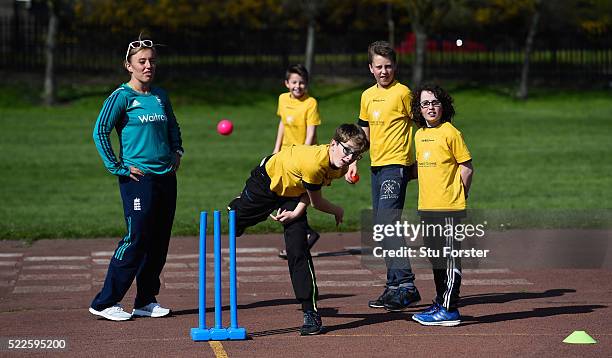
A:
311, 8
533, 28
50, 41
425, 15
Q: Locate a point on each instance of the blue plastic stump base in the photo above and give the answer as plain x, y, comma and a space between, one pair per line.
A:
218, 334
237, 333
200, 334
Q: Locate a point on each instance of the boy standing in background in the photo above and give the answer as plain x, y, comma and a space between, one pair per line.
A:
299, 118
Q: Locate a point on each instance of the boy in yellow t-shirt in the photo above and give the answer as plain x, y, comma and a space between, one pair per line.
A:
298, 112
289, 181
299, 118
445, 175
385, 117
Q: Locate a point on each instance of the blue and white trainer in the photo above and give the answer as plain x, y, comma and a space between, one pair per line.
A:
431, 309
440, 317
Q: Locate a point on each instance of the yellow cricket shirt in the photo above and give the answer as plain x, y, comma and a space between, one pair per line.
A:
297, 115
439, 151
293, 166
387, 111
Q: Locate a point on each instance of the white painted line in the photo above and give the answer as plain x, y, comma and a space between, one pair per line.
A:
176, 265
265, 278
343, 272
496, 282
350, 283
317, 272
8, 263
54, 276
102, 253
56, 258
182, 285
485, 271
56, 267
335, 262
317, 262
174, 274
182, 257
49, 289
11, 254
101, 261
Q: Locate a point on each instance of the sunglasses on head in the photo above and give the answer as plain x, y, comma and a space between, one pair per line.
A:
138, 44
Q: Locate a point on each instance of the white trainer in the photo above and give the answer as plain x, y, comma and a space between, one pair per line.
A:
113, 313
151, 310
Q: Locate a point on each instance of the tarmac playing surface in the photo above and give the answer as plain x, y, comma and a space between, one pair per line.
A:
46, 288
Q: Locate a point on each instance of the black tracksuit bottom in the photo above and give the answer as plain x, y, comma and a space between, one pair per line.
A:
254, 205
446, 270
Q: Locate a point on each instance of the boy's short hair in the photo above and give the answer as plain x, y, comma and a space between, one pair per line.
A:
381, 48
348, 131
448, 110
298, 69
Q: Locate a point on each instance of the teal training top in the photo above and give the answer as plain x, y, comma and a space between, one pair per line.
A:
149, 134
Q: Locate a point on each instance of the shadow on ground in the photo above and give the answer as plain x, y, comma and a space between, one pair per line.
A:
258, 304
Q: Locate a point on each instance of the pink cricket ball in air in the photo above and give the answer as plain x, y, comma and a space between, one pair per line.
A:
225, 127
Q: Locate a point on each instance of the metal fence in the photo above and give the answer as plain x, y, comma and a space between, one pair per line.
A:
255, 53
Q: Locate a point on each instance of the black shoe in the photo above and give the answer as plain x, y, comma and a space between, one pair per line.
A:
402, 299
380, 301
312, 324
282, 254
312, 236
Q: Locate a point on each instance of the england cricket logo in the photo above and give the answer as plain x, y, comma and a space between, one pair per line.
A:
137, 206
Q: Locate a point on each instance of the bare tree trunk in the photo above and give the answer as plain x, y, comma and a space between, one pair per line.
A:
310, 44
390, 24
523, 89
418, 66
49, 86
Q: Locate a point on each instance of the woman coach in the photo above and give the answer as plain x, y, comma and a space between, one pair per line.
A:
150, 154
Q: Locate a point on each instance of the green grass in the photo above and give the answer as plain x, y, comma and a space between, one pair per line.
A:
551, 152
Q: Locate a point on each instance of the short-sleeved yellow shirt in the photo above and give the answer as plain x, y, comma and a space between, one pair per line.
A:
297, 115
387, 111
439, 150
293, 166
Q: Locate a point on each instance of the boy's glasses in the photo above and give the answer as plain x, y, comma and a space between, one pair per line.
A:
137, 44
435, 103
347, 151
